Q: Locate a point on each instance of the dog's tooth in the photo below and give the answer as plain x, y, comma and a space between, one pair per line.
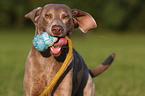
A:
51, 48
59, 49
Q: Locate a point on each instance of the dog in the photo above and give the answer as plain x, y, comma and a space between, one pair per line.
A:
59, 20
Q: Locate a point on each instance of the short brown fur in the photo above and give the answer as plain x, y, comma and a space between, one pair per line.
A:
41, 67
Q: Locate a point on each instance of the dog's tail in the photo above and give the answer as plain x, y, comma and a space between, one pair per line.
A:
102, 67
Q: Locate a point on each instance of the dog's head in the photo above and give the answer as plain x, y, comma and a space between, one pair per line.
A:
59, 20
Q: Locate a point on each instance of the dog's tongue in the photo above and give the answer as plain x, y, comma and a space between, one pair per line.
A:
56, 50
61, 42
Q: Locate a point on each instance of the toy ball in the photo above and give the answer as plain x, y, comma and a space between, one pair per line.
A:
43, 41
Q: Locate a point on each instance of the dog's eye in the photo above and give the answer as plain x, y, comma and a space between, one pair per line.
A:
48, 16
65, 16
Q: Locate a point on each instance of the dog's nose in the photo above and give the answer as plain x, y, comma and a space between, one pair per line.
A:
57, 29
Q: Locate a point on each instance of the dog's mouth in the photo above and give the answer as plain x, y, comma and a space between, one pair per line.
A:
56, 48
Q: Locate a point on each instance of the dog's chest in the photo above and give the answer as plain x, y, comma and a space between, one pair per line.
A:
49, 67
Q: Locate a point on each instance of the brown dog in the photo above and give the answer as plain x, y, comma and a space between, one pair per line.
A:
59, 20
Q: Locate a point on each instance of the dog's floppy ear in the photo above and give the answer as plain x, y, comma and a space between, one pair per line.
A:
34, 15
83, 20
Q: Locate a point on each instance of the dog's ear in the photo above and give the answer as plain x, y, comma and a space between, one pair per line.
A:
34, 15
83, 20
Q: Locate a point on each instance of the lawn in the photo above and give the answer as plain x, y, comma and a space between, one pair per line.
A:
126, 76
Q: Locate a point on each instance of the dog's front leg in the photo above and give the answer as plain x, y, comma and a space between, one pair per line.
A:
65, 87
89, 89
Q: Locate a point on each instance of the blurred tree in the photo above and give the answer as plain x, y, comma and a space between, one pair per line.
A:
136, 19
111, 14
5, 7
13, 11
114, 14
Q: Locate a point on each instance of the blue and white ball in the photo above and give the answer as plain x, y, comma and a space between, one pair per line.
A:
43, 41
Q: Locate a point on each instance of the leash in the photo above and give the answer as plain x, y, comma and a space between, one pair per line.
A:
61, 70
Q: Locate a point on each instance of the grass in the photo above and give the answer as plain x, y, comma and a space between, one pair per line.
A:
124, 78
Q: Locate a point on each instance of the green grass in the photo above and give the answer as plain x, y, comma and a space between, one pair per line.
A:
124, 78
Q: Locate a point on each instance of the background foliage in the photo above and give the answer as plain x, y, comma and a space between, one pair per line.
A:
110, 14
